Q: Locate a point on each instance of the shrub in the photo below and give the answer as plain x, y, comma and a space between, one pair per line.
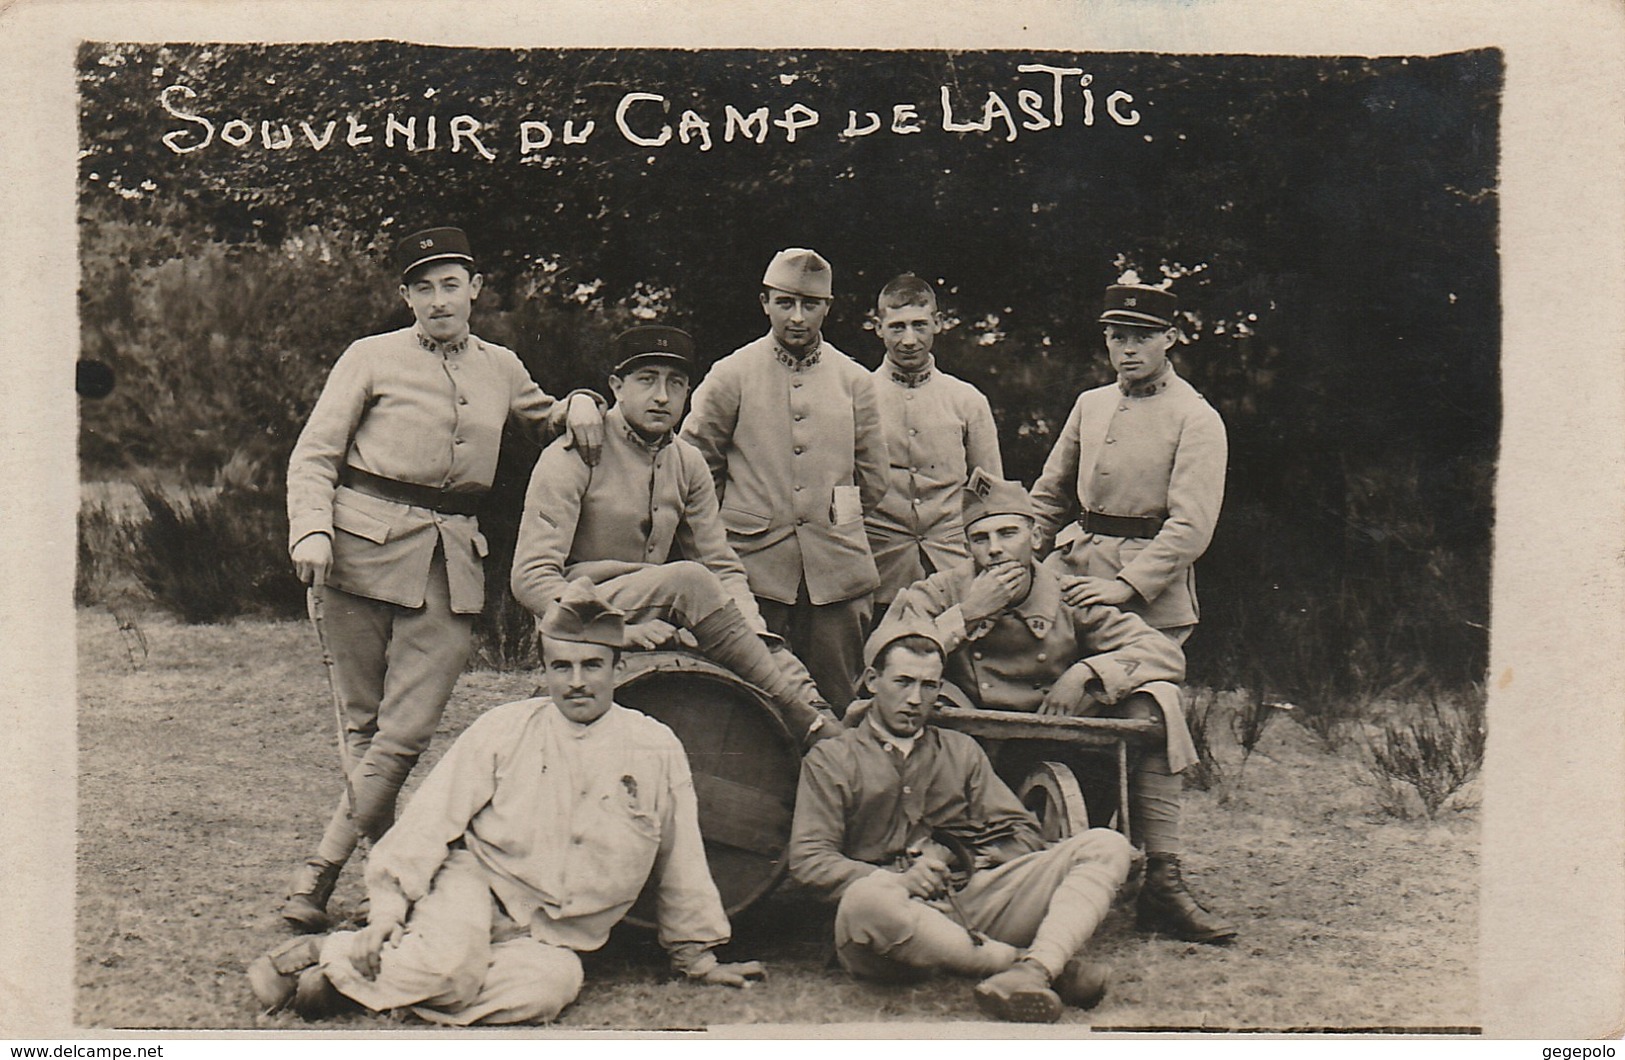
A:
1433, 750
218, 348
1200, 706
99, 545
212, 556
1252, 717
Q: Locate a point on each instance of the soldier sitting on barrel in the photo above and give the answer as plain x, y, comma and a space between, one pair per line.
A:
643, 526
885, 811
1014, 643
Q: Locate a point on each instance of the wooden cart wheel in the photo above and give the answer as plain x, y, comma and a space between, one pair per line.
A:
1052, 793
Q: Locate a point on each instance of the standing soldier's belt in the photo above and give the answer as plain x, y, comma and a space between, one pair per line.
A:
445, 502
1121, 525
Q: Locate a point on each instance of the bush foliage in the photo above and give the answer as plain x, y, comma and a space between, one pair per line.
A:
1433, 750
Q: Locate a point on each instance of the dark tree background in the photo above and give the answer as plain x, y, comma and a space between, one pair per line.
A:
1330, 223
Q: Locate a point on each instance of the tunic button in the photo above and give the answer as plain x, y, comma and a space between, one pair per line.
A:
1122, 408
459, 441
795, 382
800, 416
462, 401
1111, 441
1042, 657
909, 396
976, 655
907, 790
799, 489
800, 449
802, 521
913, 430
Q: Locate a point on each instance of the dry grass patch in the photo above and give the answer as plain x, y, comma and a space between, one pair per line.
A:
206, 773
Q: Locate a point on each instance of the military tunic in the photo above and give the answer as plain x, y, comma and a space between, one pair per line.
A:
798, 456
642, 506
1010, 661
405, 407
938, 429
1155, 450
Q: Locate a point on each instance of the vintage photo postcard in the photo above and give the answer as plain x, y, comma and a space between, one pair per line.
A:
1333, 291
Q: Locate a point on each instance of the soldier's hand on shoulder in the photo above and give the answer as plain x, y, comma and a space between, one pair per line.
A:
1082, 592
585, 422
739, 974
313, 558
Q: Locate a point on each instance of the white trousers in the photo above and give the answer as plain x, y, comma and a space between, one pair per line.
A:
462, 959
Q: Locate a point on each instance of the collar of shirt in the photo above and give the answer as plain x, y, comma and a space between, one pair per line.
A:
443, 349
1146, 387
914, 378
615, 419
577, 731
805, 361
888, 740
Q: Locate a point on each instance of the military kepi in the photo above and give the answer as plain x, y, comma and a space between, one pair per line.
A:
583, 616
652, 344
1139, 306
985, 495
892, 629
432, 244
799, 271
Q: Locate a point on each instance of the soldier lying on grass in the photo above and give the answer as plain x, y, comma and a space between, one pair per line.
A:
881, 813
528, 842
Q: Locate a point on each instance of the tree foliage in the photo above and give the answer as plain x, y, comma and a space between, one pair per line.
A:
1329, 222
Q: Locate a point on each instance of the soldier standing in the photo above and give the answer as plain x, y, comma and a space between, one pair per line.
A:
383, 486
938, 430
789, 428
1140, 467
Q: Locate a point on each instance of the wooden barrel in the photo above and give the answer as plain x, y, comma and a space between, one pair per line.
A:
745, 767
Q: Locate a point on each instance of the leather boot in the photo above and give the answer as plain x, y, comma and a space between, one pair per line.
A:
726, 638
1082, 984
306, 908
1020, 994
1166, 907
274, 976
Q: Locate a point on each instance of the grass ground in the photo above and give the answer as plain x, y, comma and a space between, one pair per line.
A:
207, 766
